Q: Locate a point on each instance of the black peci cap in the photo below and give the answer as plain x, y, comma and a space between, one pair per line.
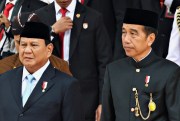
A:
36, 30
141, 17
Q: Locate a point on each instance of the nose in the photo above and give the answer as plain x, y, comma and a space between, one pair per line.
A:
27, 49
126, 38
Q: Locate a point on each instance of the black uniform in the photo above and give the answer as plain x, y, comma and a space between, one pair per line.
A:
123, 75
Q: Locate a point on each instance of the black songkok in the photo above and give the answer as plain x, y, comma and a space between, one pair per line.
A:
36, 30
141, 17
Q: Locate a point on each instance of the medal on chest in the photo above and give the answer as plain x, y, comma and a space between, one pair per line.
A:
147, 80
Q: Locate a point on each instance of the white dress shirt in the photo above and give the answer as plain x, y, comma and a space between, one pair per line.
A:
168, 3
69, 13
174, 43
37, 75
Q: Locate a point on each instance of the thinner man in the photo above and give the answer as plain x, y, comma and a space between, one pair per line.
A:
142, 86
37, 91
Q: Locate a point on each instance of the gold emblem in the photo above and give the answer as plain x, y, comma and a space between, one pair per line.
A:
152, 106
78, 15
85, 25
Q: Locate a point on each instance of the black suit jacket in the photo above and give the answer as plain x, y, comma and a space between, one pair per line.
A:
113, 13
90, 51
61, 100
121, 77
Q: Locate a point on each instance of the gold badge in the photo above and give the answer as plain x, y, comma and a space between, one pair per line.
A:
78, 15
85, 25
152, 106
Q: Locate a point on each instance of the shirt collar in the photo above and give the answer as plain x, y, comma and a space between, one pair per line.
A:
13, 2
37, 75
70, 8
145, 56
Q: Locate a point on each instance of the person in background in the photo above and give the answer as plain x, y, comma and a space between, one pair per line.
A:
9, 9
174, 42
85, 44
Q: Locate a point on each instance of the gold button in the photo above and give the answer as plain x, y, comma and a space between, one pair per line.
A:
132, 109
137, 70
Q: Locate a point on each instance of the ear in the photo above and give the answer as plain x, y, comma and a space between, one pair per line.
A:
150, 39
50, 48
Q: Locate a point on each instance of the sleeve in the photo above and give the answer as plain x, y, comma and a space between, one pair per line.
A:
174, 43
108, 113
72, 109
172, 98
103, 52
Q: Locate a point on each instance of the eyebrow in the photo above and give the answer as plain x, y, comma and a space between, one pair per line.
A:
134, 30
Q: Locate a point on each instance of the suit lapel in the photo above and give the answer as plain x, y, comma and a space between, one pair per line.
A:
16, 83
2, 5
16, 8
37, 92
77, 26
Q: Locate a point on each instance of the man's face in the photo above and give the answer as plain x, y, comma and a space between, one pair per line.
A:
135, 41
33, 53
63, 3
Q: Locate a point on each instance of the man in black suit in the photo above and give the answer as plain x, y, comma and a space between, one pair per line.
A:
142, 86
113, 13
86, 47
50, 95
6, 44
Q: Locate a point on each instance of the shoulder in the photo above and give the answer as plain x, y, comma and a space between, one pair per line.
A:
119, 63
8, 63
45, 8
10, 74
63, 79
54, 59
60, 64
91, 13
167, 64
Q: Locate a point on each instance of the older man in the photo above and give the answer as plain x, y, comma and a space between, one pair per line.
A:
37, 91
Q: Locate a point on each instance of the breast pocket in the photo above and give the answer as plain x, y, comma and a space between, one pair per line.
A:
145, 97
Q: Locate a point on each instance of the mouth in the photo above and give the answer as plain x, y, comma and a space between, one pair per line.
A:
127, 48
27, 58
63, 1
